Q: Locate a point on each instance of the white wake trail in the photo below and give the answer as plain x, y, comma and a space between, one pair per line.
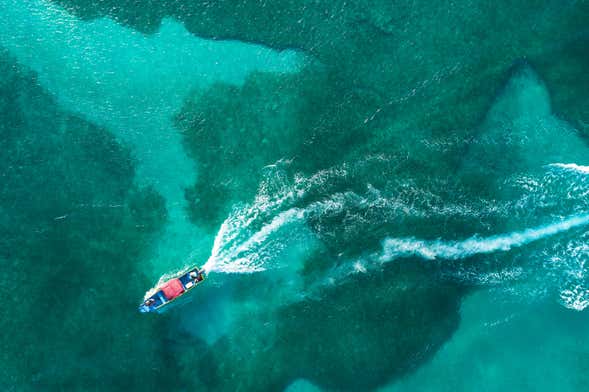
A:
248, 256
452, 250
252, 251
254, 234
572, 167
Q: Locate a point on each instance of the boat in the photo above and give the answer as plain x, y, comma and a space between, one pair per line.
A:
172, 290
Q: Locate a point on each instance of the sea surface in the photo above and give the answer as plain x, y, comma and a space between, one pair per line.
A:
386, 195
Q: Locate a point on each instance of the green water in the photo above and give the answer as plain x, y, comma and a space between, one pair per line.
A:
388, 196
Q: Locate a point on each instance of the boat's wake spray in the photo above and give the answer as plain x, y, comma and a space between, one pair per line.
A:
253, 236
394, 248
238, 248
252, 253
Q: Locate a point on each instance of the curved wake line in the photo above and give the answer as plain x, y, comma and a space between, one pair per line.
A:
453, 250
245, 264
572, 167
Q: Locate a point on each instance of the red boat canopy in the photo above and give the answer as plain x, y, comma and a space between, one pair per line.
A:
172, 289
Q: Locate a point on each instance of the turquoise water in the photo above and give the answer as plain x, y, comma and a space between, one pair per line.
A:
387, 196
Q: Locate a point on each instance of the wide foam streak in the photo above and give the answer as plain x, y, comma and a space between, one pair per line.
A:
572, 166
453, 250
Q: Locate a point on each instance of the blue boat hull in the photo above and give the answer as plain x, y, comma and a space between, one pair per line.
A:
158, 302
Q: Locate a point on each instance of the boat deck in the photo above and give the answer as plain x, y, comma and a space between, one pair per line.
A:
159, 298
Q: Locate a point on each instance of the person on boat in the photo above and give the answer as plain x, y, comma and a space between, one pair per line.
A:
196, 276
146, 306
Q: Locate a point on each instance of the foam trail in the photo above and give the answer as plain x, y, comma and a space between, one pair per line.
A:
400, 247
246, 241
247, 256
575, 298
571, 166
277, 222
239, 250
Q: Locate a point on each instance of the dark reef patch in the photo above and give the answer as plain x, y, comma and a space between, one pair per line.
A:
73, 230
302, 117
564, 71
356, 336
439, 62
394, 78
